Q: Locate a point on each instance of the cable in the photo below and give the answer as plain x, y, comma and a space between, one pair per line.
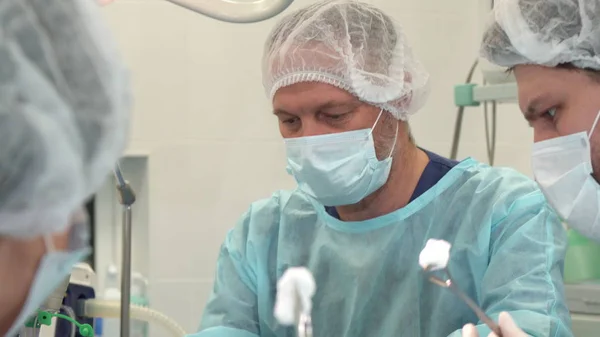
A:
490, 135
71, 313
459, 117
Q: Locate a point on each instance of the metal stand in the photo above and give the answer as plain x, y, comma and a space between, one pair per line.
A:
126, 198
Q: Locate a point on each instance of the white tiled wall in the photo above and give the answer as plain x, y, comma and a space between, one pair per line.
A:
213, 145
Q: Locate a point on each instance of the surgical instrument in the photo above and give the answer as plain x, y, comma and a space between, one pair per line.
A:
449, 284
305, 325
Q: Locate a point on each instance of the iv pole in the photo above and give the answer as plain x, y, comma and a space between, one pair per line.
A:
126, 199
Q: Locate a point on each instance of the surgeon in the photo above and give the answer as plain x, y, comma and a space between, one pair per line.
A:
553, 47
343, 83
64, 116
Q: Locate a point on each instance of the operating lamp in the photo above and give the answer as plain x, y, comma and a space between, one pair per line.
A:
236, 11
230, 10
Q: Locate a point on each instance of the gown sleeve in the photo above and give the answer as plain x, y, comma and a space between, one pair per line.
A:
231, 310
525, 272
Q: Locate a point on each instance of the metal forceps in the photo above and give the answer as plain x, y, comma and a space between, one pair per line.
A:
449, 284
305, 325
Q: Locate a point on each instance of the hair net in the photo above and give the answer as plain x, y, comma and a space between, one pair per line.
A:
64, 111
544, 32
351, 45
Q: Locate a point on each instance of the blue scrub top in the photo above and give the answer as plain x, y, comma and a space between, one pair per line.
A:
435, 170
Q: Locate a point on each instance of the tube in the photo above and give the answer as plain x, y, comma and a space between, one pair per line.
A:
112, 309
71, 313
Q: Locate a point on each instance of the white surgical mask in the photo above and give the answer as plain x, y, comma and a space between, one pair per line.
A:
53, 268
563, 168
339, 168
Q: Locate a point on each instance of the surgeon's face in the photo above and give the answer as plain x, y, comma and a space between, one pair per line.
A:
311, 109
558, 102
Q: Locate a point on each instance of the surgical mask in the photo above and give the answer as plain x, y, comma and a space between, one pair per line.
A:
54, 268
339, 168
563, 168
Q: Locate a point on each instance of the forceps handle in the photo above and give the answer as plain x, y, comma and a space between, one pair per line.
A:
304, 326
480, 314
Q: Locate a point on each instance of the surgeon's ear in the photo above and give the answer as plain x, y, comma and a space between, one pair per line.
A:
61, 240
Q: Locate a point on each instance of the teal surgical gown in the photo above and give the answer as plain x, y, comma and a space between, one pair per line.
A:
507, 255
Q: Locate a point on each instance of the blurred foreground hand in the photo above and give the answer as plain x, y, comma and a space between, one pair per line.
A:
508, 327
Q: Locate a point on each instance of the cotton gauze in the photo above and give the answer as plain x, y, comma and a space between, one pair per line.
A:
435, 255
295, 290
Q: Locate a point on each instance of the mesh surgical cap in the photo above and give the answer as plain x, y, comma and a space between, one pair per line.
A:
64, 111
544, 32
351, 45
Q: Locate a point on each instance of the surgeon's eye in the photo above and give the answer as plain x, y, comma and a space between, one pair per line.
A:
549, 114
291, 121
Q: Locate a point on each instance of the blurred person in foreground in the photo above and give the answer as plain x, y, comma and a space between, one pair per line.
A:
64, 116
